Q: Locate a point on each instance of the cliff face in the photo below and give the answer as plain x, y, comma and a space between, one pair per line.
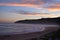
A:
41, 21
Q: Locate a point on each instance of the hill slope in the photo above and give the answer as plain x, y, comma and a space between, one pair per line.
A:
41, 21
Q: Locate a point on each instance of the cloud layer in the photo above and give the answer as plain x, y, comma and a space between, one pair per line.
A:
53, 7
50, 5
16, 4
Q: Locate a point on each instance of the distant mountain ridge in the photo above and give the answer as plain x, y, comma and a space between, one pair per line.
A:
41, 21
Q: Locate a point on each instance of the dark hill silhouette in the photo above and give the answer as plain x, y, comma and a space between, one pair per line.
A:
41, 21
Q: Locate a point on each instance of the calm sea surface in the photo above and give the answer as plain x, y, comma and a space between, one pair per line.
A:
22, 28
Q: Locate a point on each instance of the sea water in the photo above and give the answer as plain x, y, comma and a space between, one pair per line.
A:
13, 28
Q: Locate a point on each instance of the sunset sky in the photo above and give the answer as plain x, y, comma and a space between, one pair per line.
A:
13, 10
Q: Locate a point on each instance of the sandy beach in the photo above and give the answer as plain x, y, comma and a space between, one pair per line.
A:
27, 36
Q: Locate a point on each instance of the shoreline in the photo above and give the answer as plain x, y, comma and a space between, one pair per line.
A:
28, 35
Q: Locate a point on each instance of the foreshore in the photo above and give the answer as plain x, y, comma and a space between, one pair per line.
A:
27, 36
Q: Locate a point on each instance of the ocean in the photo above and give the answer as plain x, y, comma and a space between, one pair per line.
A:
12, 28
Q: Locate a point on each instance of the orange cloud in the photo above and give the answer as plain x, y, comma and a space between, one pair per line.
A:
54, 7
25, 3
17, 4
